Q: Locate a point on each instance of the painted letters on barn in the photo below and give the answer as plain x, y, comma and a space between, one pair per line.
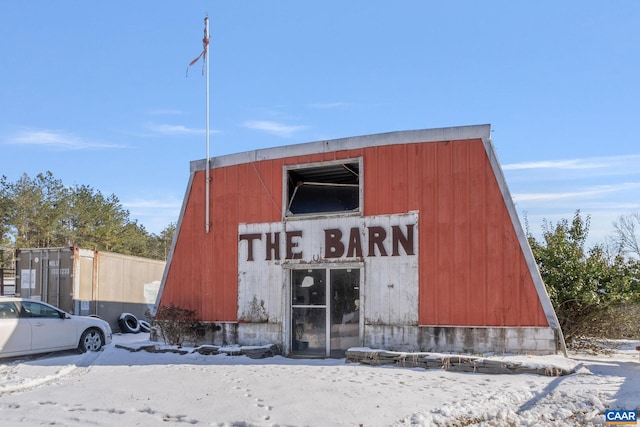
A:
407, 240
347, 238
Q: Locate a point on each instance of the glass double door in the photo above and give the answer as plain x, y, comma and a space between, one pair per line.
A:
325, 311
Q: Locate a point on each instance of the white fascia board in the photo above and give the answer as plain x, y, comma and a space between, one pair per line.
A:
356, 142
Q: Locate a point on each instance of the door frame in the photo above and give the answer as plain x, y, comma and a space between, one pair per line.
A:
287, 303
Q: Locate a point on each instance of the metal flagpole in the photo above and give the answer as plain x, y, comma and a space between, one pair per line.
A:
205, 54
208, 177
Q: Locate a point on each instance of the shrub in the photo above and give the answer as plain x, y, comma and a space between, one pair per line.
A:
593, 291
176, 323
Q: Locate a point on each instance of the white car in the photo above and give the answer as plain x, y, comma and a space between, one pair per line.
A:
29, 327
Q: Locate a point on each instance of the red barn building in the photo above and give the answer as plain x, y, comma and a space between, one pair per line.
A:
404, 241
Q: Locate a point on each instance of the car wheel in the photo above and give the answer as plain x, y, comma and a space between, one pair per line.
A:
91, 340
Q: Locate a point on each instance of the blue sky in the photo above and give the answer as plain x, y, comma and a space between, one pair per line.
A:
97, 92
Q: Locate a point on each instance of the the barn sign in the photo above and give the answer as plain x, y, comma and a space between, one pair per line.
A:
329, 239
351, 238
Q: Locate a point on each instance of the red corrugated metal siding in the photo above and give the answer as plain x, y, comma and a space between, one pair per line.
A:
472, 270
476, 297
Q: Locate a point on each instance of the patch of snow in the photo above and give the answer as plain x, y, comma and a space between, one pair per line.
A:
120, 387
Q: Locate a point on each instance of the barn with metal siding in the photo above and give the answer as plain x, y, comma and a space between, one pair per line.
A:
406, 240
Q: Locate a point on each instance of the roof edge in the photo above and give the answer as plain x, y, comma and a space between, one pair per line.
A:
355, 142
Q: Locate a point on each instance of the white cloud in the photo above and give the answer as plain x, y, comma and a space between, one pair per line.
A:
553, 164
586, 193
167, 129
274, 128
586, 163
55, 139
152, 204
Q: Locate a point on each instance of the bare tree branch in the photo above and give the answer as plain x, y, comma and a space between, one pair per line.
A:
626, 233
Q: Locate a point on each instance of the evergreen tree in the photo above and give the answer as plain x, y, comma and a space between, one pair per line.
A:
42, 212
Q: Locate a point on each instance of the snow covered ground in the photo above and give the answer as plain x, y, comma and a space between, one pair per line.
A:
118, 387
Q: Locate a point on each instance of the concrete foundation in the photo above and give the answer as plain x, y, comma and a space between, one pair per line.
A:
459, 339
440, 339
260, 334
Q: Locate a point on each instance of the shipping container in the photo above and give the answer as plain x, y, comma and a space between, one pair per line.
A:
405, 241
87, 282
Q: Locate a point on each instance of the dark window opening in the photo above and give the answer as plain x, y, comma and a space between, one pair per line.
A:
322, 189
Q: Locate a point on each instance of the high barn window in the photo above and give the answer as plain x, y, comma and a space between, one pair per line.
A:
321, 188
